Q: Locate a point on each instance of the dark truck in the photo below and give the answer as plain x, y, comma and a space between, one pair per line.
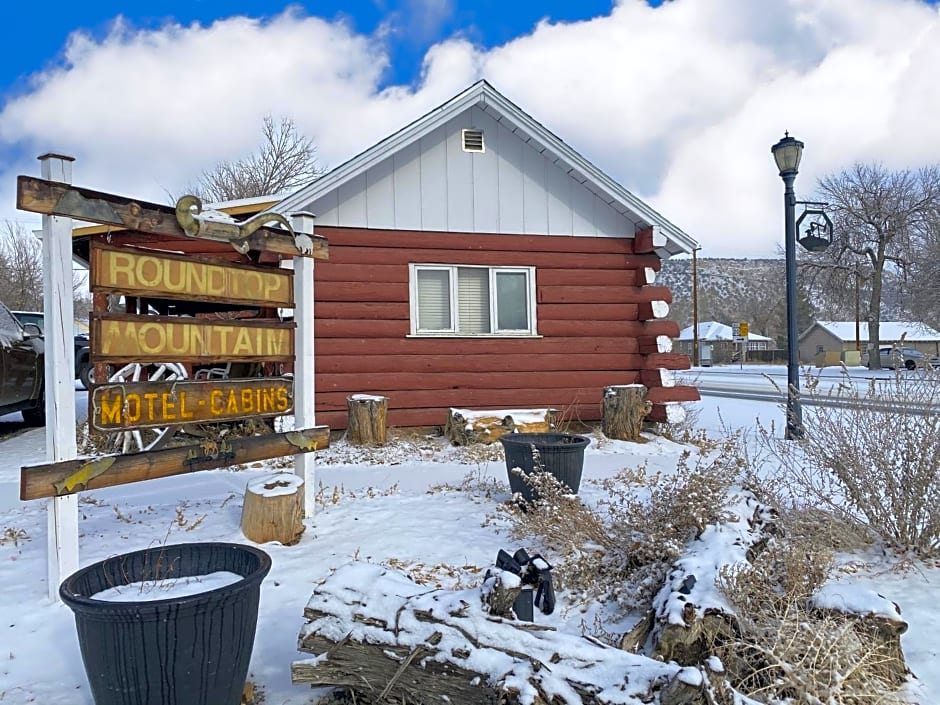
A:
22, 369
83, 367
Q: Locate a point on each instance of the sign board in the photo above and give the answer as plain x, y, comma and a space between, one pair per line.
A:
120, 407
117, 338
156, 274
743, 329
738, 339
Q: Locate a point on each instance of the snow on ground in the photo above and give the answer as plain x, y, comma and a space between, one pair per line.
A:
399, 513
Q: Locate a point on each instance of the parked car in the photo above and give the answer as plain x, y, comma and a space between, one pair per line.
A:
83, 366
908, 358
22, 370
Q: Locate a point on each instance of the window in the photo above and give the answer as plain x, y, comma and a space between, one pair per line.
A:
456, 300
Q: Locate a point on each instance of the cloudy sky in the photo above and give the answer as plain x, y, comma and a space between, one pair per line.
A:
680, 100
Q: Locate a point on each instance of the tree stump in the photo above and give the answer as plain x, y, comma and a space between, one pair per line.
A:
366, 420
624, 408
274, 509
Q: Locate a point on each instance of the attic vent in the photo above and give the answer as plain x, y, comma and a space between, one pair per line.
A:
472, 140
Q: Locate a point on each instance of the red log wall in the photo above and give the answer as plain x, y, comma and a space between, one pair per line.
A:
590, 293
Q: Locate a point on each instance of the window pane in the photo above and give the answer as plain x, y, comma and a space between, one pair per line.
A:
473, 300
434, 299
512, 307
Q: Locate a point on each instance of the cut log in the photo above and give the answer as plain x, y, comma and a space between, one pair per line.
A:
465, 427
689, 616
274, 509
875, 618
624, 408
367, 415
388, 640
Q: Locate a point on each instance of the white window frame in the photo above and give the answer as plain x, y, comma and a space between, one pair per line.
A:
453, 332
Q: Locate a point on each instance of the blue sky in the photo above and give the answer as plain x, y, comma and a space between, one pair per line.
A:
679, 101
417, 25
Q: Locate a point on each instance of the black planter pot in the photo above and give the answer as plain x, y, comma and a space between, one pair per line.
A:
191, 650
561, 454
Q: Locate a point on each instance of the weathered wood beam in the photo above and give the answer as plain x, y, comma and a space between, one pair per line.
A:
70, 476
57, 198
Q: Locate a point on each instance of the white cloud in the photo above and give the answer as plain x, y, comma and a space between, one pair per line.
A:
680, 103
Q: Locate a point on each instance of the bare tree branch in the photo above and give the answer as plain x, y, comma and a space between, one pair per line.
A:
882, 224
285, 160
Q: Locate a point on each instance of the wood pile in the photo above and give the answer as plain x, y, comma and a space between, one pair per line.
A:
465, 427
388, 640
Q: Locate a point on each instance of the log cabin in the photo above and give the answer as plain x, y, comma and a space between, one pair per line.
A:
477, 261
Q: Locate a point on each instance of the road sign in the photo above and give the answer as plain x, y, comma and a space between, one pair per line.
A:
739, 339
743, 329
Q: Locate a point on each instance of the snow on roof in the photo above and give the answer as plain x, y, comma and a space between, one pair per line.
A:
483, 94
889, 331
713, 330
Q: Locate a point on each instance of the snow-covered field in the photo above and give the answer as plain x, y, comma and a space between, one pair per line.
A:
400, 512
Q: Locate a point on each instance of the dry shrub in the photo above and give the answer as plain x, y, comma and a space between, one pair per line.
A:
786, 652
621, 549
874, 459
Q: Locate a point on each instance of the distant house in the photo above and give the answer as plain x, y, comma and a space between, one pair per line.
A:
839, 336
477, 261
721, 339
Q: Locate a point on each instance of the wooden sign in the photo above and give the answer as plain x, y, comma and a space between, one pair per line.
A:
70, 476
119, 407
146, 273
117, 338
57, 198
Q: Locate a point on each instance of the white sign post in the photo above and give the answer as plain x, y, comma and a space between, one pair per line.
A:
58, 325
304, 365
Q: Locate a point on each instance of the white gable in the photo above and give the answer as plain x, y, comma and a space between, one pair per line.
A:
889, 331
433, 184
526, 180
715, 331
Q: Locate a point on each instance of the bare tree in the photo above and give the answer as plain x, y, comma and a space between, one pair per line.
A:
285, 160
882, 221
20, 268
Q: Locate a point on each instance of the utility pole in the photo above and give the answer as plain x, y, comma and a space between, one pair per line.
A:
695, 358
858, 334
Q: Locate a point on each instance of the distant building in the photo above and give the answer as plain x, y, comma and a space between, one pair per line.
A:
839, 336
720, 338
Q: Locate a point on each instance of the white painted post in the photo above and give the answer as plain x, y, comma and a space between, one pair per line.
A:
304, 365
58, 315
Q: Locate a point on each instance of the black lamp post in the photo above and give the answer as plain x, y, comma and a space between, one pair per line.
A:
787, 153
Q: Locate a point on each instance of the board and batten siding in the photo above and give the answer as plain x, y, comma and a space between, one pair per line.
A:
433, 185
591, 297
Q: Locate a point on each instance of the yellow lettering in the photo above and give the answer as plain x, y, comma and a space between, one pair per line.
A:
132, 408
232, 407
183, 414
152, 338
169, 406
120, 264
267, 400
247, 401
177, 269
283, 402
243, 342
148, 272
110, 410
216, 404
151, 397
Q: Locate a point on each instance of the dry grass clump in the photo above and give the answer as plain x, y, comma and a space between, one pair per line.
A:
874, 460
621, 549
783, 650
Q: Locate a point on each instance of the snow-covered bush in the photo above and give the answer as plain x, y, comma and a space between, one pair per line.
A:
875, 459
